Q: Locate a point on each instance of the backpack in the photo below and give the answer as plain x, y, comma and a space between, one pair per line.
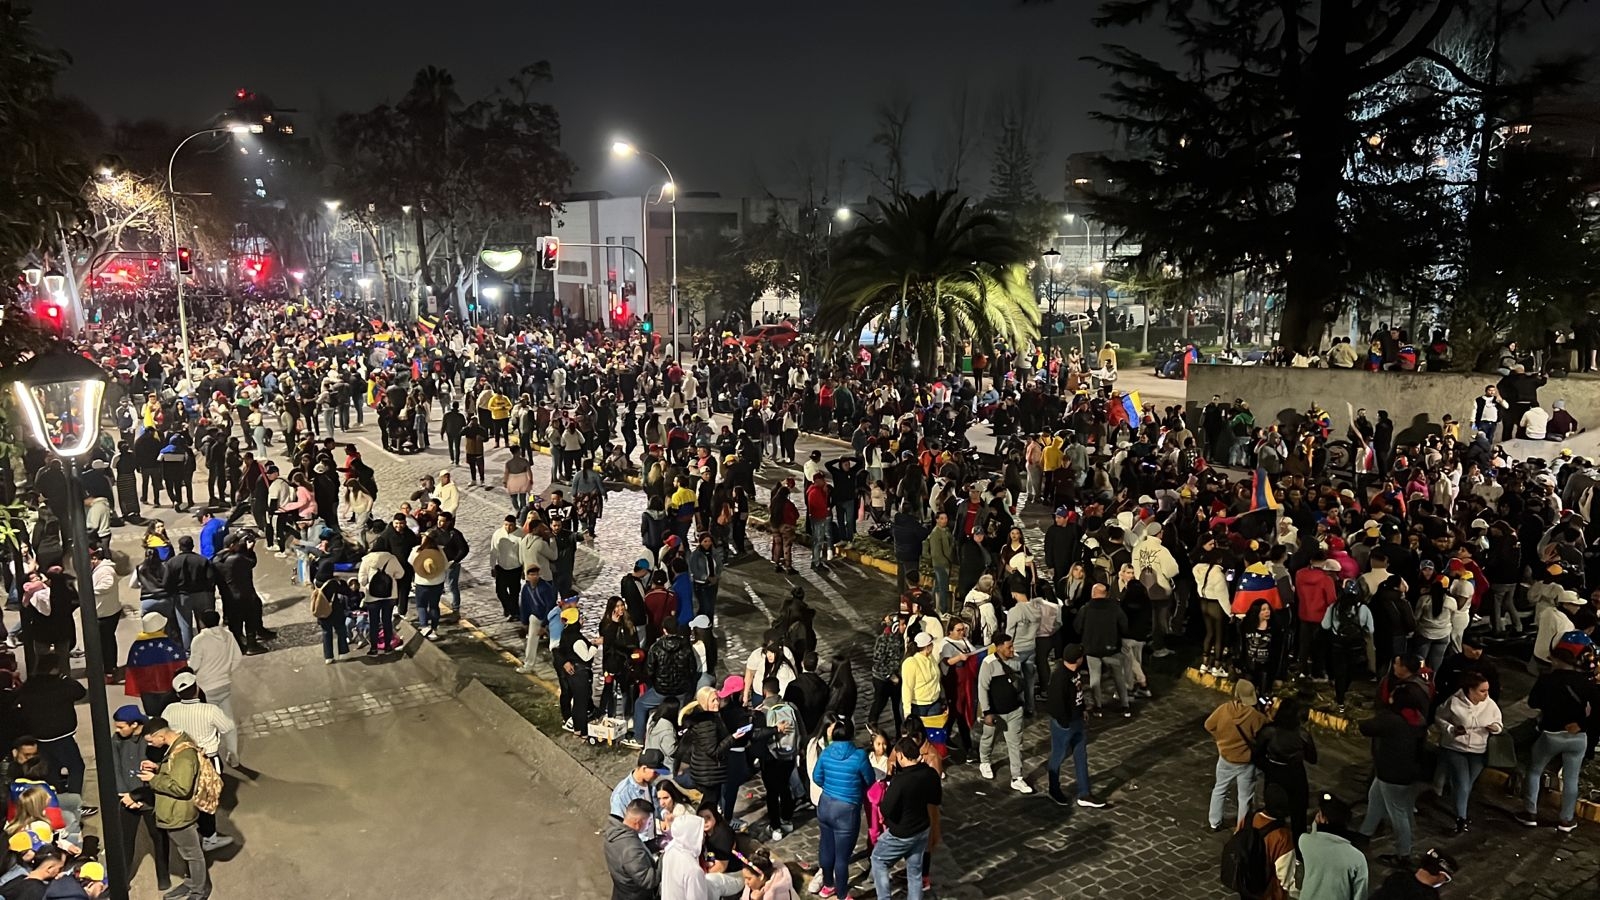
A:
207, 794
1244, 860
1347, 630
381, 585
784, 745
1152, 584
1004, 695
321, 603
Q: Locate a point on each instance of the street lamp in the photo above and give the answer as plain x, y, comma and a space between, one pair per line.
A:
491, 292
627, 150
54, 282
1052, 262
172, 203
32, 274
60, 394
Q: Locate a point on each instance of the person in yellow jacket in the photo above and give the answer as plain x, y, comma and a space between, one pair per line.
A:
500, 417
921, 691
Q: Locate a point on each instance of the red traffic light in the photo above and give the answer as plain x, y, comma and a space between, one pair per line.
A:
549, 253
185, 264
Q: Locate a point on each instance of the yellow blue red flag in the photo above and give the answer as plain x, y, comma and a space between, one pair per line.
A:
1130, 405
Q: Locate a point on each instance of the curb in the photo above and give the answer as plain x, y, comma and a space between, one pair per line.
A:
1500, 778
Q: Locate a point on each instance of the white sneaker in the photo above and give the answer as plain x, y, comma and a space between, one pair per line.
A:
777, 835
525, 669
1020, 786
215, 842
986, 770
814, 886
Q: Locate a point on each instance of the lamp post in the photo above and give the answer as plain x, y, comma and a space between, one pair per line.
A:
624, 150
70, 389
1052, 262
172, 203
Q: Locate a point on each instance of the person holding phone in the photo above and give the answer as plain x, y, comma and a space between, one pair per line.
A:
705, 741
137, 801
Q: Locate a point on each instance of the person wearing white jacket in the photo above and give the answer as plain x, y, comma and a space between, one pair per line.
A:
1211, 582
379, 601
1466, 720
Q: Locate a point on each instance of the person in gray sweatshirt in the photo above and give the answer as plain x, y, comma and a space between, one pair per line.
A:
1022, 623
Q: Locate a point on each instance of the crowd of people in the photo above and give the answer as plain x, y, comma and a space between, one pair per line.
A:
1401, 573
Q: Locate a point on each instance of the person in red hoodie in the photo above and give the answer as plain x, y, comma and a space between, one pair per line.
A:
819, 513
1315, 591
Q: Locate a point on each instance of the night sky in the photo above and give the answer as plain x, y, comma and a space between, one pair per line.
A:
733, 95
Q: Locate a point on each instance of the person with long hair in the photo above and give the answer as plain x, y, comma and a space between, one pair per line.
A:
842, 689
1260, 642
766, 878
621, 658
1285, 746
704, 740
842, 775
795, 624
661, 733
1211, 583
1467, 719
782, 519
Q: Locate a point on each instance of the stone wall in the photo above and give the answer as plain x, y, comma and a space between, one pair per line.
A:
1415, 400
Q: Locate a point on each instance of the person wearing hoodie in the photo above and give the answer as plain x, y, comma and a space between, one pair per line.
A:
682, 878
380, 596
1466, 721
1314, 591
1333, 868
1234, 726
766, 878
635, 872
842, 774
107, 605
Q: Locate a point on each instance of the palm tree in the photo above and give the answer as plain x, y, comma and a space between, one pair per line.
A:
933, 271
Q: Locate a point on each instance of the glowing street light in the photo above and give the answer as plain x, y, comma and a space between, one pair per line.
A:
843, 214
627, 150
491, 292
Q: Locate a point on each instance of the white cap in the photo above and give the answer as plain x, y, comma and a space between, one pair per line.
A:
699, 622
183, 681
923, 639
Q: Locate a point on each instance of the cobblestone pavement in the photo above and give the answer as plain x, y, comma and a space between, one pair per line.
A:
340, 709
1156, 767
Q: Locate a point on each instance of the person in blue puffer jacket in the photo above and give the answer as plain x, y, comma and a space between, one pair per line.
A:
843, 774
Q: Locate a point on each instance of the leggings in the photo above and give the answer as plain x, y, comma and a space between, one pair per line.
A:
1216, 622
884, 691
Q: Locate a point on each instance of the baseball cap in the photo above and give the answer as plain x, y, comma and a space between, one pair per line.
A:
569, 615
733, 684
183, 681
92, 871
655, 760
641, 564
1072, 653
1063, 511
923, 639
1427, 564
700, 622
32, 838
129, 713
1479, 524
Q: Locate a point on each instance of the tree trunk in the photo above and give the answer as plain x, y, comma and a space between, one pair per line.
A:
1312, 288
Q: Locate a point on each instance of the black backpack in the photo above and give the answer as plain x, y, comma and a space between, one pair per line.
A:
1347, 629
1244, 860
1004, 695
381, 584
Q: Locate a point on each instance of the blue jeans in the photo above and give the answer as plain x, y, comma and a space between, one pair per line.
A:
642, 708
1074, 740
941, 588
821, 541
890, 850
1393, 802
428, 604
1432, 652
452, 580
840, 823
1244, 775
1570, 747
1464, 769
380, 619
334, 625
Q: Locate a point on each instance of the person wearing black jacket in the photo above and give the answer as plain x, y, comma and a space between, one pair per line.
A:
453, 544
147, 456
908, 533
1066, 703
191, 580
451, 425
1063, 543
1567, 700
1103, 624
848, 482
241, 604
705, 740
1286, 746
634, 586
809, 694
670, 670
1447, 680
399, 540
46, 701
1396, 757
127, 469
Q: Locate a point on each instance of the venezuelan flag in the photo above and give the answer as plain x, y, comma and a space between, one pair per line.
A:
1130, 405
1261, 496
1256, 583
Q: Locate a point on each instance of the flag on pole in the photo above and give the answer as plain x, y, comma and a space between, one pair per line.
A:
1261, 496
1130, 405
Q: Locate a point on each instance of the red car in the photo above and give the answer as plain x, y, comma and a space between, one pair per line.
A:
780, 335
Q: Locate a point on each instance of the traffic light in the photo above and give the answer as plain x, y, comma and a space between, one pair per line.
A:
185, 264
48, 314
647, 324
549, 252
